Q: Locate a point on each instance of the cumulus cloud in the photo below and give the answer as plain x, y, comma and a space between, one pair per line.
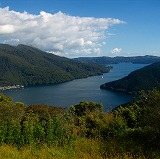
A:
57, 32
116, 51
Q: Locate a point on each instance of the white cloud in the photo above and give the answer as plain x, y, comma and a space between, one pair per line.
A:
116, 51
97, 51
57, 32
6, 29
11, 41
104, 43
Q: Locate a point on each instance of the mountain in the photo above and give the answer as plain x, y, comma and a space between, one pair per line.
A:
27, 65
145, 78
114, 60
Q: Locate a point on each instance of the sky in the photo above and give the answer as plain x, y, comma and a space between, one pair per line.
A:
76, 28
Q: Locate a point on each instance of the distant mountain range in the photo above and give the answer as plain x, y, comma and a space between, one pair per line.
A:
145, 78
26, 65
114, 60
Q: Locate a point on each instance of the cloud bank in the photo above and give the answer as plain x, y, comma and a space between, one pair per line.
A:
59, 32
116, 51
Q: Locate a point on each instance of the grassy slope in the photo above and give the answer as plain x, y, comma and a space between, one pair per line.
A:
83, 149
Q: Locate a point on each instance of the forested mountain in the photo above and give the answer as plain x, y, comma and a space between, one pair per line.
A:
114, 60
145, 78
26, 65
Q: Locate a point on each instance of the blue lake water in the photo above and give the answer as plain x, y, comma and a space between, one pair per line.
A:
73, 92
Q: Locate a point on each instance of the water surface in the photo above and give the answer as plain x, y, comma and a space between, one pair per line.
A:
73, 92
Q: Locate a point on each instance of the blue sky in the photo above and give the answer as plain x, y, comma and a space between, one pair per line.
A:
76, 28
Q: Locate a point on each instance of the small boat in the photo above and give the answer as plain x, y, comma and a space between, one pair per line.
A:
102, 77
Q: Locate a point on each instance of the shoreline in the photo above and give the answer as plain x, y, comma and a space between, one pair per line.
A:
10, 87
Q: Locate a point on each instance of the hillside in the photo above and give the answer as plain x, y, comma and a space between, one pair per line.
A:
26, 65
145, 78
131, 131
114, 60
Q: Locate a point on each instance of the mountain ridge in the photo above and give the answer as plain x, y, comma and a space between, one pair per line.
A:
147, 59
27, 65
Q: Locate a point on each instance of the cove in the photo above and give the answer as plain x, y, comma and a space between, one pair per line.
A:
70, 93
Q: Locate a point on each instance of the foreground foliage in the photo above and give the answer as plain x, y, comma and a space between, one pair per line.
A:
84, 131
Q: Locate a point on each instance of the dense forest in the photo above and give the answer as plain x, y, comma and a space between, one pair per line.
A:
84, 131
120, 59
145, 78
26, 65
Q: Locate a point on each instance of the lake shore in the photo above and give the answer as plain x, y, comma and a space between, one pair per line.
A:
10, 87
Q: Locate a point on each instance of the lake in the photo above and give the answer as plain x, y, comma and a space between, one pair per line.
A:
73, 92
